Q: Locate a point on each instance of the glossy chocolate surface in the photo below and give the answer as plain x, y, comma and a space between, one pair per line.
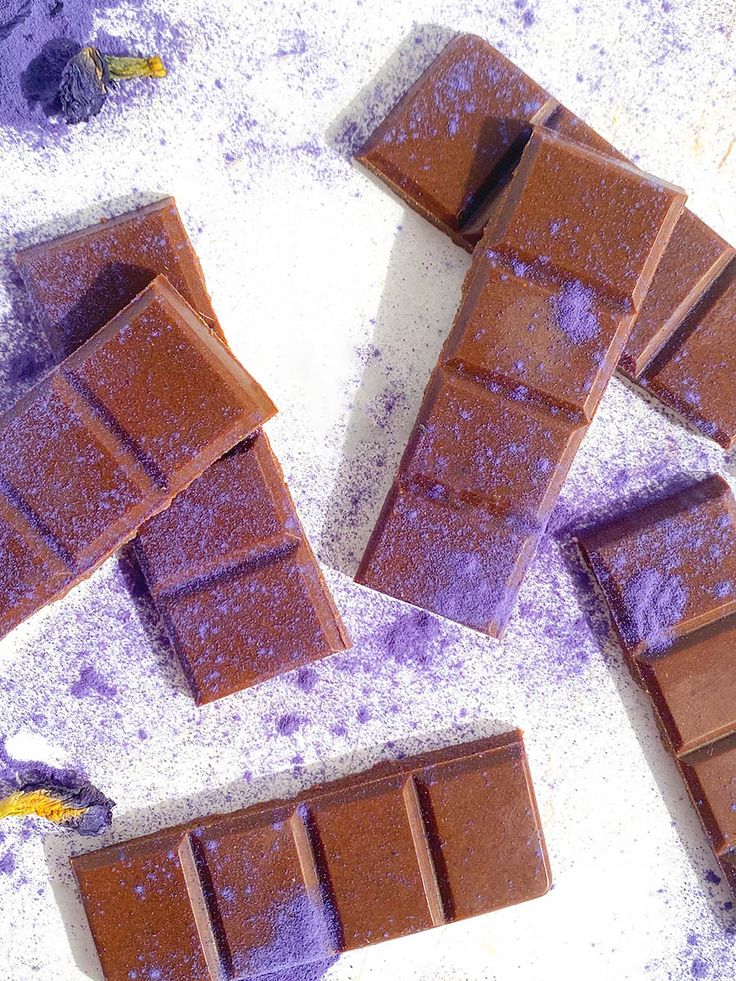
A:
230, 570
447, 149
667, 571
108, 438
547, 307
80, 281
401, 848
228, 565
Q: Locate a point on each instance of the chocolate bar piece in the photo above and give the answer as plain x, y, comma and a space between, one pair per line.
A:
78, 282
447, 149
228, 565
397, 849
107, 439
667, 572
232, 574
547, 307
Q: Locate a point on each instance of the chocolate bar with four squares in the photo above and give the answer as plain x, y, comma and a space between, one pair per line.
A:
667, 572
108, 438
228, 565
448, 148
403, 847
232, 574
77, 282
547, 305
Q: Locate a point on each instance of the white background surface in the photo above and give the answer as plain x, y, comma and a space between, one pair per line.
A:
309, 263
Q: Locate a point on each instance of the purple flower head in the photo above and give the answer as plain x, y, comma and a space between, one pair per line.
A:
63, 797
84, 86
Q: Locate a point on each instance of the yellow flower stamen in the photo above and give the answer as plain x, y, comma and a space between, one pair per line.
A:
41, 803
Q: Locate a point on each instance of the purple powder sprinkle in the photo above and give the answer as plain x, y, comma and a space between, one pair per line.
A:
287, 725
92, 683
575, 313
654, 604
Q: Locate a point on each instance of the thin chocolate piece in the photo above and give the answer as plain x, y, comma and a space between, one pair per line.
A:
107, 439
231, 572
447, 149
228, 565
80, 281
400, 848
667, 571
546, 310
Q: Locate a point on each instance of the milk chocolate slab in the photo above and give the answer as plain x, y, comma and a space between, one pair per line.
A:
228, 565
78, 282
444, 147
667, 571
447, 149
230, 570
547, 306
108, 438
397, 849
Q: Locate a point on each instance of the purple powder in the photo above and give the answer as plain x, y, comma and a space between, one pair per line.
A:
302, 932
306, 679
575, 313
91, 683
287, 725
655, 603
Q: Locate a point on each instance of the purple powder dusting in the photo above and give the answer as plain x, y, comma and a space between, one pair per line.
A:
655, 603
288, 724
575, 313
302, 933
91, 683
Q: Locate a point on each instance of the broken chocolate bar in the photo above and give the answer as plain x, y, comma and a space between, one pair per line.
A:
108, 438
232, 574
547, 307
448, 148
667, 571
397, 849
228, 565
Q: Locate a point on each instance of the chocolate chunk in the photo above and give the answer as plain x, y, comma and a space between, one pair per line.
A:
451, 157
80, 281
667, 571
398, 849
108, 438
547, 306
233, 575
228, 565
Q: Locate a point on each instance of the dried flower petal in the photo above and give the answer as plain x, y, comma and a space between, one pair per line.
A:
83, 88
65, 800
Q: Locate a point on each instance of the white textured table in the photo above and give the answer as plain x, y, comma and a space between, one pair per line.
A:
337, 299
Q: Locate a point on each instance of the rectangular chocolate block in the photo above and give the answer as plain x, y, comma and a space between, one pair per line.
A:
547, 306
108, 438
78, 282
667, 571
400, 848
447, 149
228, 565
232, 573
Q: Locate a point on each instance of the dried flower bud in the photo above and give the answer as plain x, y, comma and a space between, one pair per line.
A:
84, 85
66, 801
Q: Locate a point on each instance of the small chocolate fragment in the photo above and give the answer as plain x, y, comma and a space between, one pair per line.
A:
232, 573
401, 848
108, 439
547, 306
667, 571
447, 149
80, 281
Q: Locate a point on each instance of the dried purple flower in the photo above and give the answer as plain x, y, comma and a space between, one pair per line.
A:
84, 85
88, 76
64, 799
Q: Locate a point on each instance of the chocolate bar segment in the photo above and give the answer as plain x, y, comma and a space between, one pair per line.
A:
446, 145
400, 848
451, 158
108, 438
547, 306
232, 573
80, 281
667, 571
228, 565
